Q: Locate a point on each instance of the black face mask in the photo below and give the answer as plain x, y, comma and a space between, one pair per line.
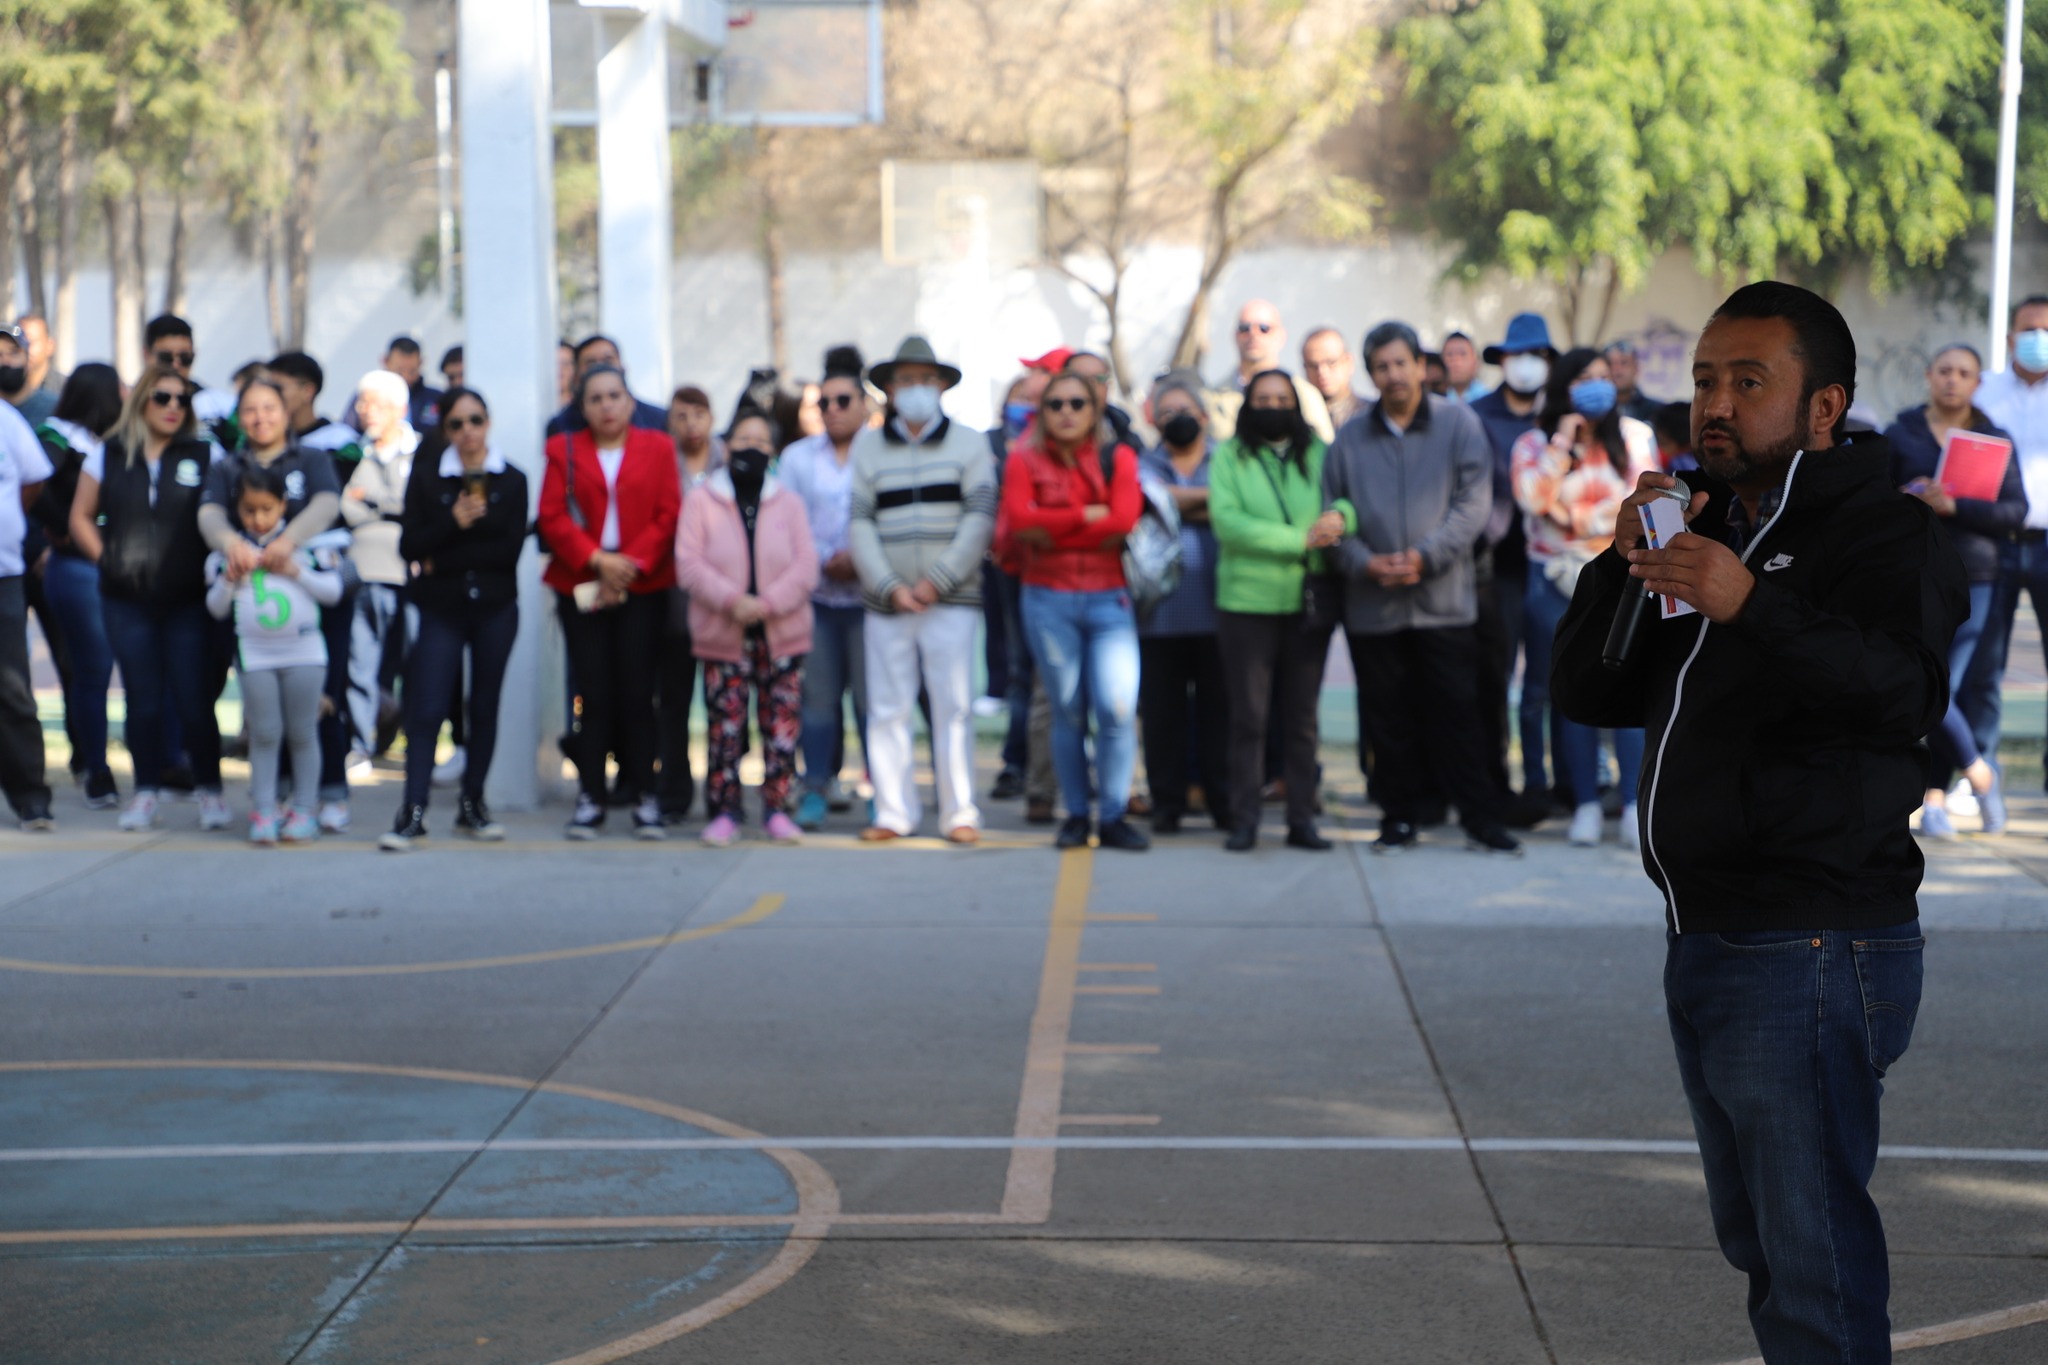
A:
1270, 425
1181, 430
749, 467
13, 377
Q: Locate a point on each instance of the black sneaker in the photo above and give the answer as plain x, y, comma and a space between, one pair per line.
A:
1396, 836
473, 818
1121, 833
1305, 836
1009, 786
408, 829
1074, 833
177, 783
647, 822
100, 791
1166, 822
1493, 839
36, 817
1243, 839
588, 821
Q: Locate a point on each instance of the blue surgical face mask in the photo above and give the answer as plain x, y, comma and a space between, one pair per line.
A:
2030, 349
1017, 416
1593, 398
917, 403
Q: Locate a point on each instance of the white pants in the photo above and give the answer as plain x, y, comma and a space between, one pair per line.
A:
943, 638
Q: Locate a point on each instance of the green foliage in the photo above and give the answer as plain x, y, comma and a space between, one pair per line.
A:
1767, 136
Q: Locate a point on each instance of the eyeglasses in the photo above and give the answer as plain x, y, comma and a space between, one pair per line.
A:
164, 398
459, 423
842, 401
180, 360
1066, 405
1261, 327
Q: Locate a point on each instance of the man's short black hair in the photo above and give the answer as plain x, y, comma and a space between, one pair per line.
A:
1674, 423
1465, 337
1386, 334
1821, 337
451, 356
298, 365
402, 345
592, 340
164, 325
2030, 301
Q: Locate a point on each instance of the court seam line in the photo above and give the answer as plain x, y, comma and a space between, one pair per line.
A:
1507, 1240
517, 1107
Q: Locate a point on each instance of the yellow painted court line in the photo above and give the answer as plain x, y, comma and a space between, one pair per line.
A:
1124, 917
761, 909
1027, 1192
1119, 966
1116, 990
1112, 1049
1109, 1120
1962, 1329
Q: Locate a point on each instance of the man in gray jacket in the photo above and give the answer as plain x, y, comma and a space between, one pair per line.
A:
373, 504
923, 512
1413, 478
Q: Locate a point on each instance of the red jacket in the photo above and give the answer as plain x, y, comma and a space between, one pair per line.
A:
650, 504
1043, 493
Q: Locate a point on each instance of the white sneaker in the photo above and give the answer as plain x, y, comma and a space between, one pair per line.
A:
1631, 829
140, 815
1586, 823
334, 817
214, 812
450, 773
1962, 801
359, 766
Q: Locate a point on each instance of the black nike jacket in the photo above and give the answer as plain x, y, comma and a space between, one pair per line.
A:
1786, 751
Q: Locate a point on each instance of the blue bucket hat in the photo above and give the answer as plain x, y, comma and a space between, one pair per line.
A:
1526, 332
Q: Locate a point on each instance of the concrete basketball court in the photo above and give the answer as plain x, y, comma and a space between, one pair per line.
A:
553, 1103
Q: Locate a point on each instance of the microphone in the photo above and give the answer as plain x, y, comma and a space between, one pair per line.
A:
1635, 605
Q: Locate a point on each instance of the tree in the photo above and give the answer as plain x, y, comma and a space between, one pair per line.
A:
1260, 82
1766, 137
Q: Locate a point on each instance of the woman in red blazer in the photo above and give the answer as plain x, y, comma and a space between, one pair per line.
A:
609, 502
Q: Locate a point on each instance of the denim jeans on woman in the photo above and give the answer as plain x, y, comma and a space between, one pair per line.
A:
1578, 748
837, 665
1783, 1040
166, 668
1085, 645
72, 585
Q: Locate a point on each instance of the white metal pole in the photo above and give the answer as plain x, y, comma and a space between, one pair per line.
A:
508, 266
444, 170
2008, 155
634, 213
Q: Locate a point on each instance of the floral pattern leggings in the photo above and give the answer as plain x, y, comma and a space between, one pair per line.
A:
778, 686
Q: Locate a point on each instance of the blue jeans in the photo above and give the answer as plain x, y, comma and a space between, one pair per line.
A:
1783, 1041
1578, 747
2019, 567
1959, 748
836, 665
166, 669
72, 585
381, 611
1086, 647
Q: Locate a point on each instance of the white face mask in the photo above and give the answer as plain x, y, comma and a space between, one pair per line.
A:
917, 403
1525, 373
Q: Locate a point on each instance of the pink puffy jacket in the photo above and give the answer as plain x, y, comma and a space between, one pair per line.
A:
711, 565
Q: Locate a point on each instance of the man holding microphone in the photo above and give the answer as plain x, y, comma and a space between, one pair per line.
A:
1785, 754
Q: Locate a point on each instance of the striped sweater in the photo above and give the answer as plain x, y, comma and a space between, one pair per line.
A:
922, 511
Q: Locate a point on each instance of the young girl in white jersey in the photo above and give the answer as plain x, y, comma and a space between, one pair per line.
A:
280, 653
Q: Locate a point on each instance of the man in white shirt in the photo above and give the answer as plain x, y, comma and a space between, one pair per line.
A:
23, 467
2017, 401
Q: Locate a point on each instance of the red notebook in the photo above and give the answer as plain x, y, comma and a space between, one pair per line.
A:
1973, 466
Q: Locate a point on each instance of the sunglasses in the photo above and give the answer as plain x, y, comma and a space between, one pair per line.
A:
177, 359
1067, 405
1262, 327
164, 398
459, 423
842, 401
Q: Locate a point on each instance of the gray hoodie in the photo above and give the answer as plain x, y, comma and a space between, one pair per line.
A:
1429, 488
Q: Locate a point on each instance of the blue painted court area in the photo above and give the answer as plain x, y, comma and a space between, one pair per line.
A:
490, 1229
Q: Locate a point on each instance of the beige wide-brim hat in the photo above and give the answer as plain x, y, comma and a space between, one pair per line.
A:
915, 350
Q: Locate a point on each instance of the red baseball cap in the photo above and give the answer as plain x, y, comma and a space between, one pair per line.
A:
1052, 362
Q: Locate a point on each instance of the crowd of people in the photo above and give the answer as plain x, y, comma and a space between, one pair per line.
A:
837, 556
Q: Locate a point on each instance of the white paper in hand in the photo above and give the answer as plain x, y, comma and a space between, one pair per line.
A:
1664, 522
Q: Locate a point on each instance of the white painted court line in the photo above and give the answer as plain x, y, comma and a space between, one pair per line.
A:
431, 1146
